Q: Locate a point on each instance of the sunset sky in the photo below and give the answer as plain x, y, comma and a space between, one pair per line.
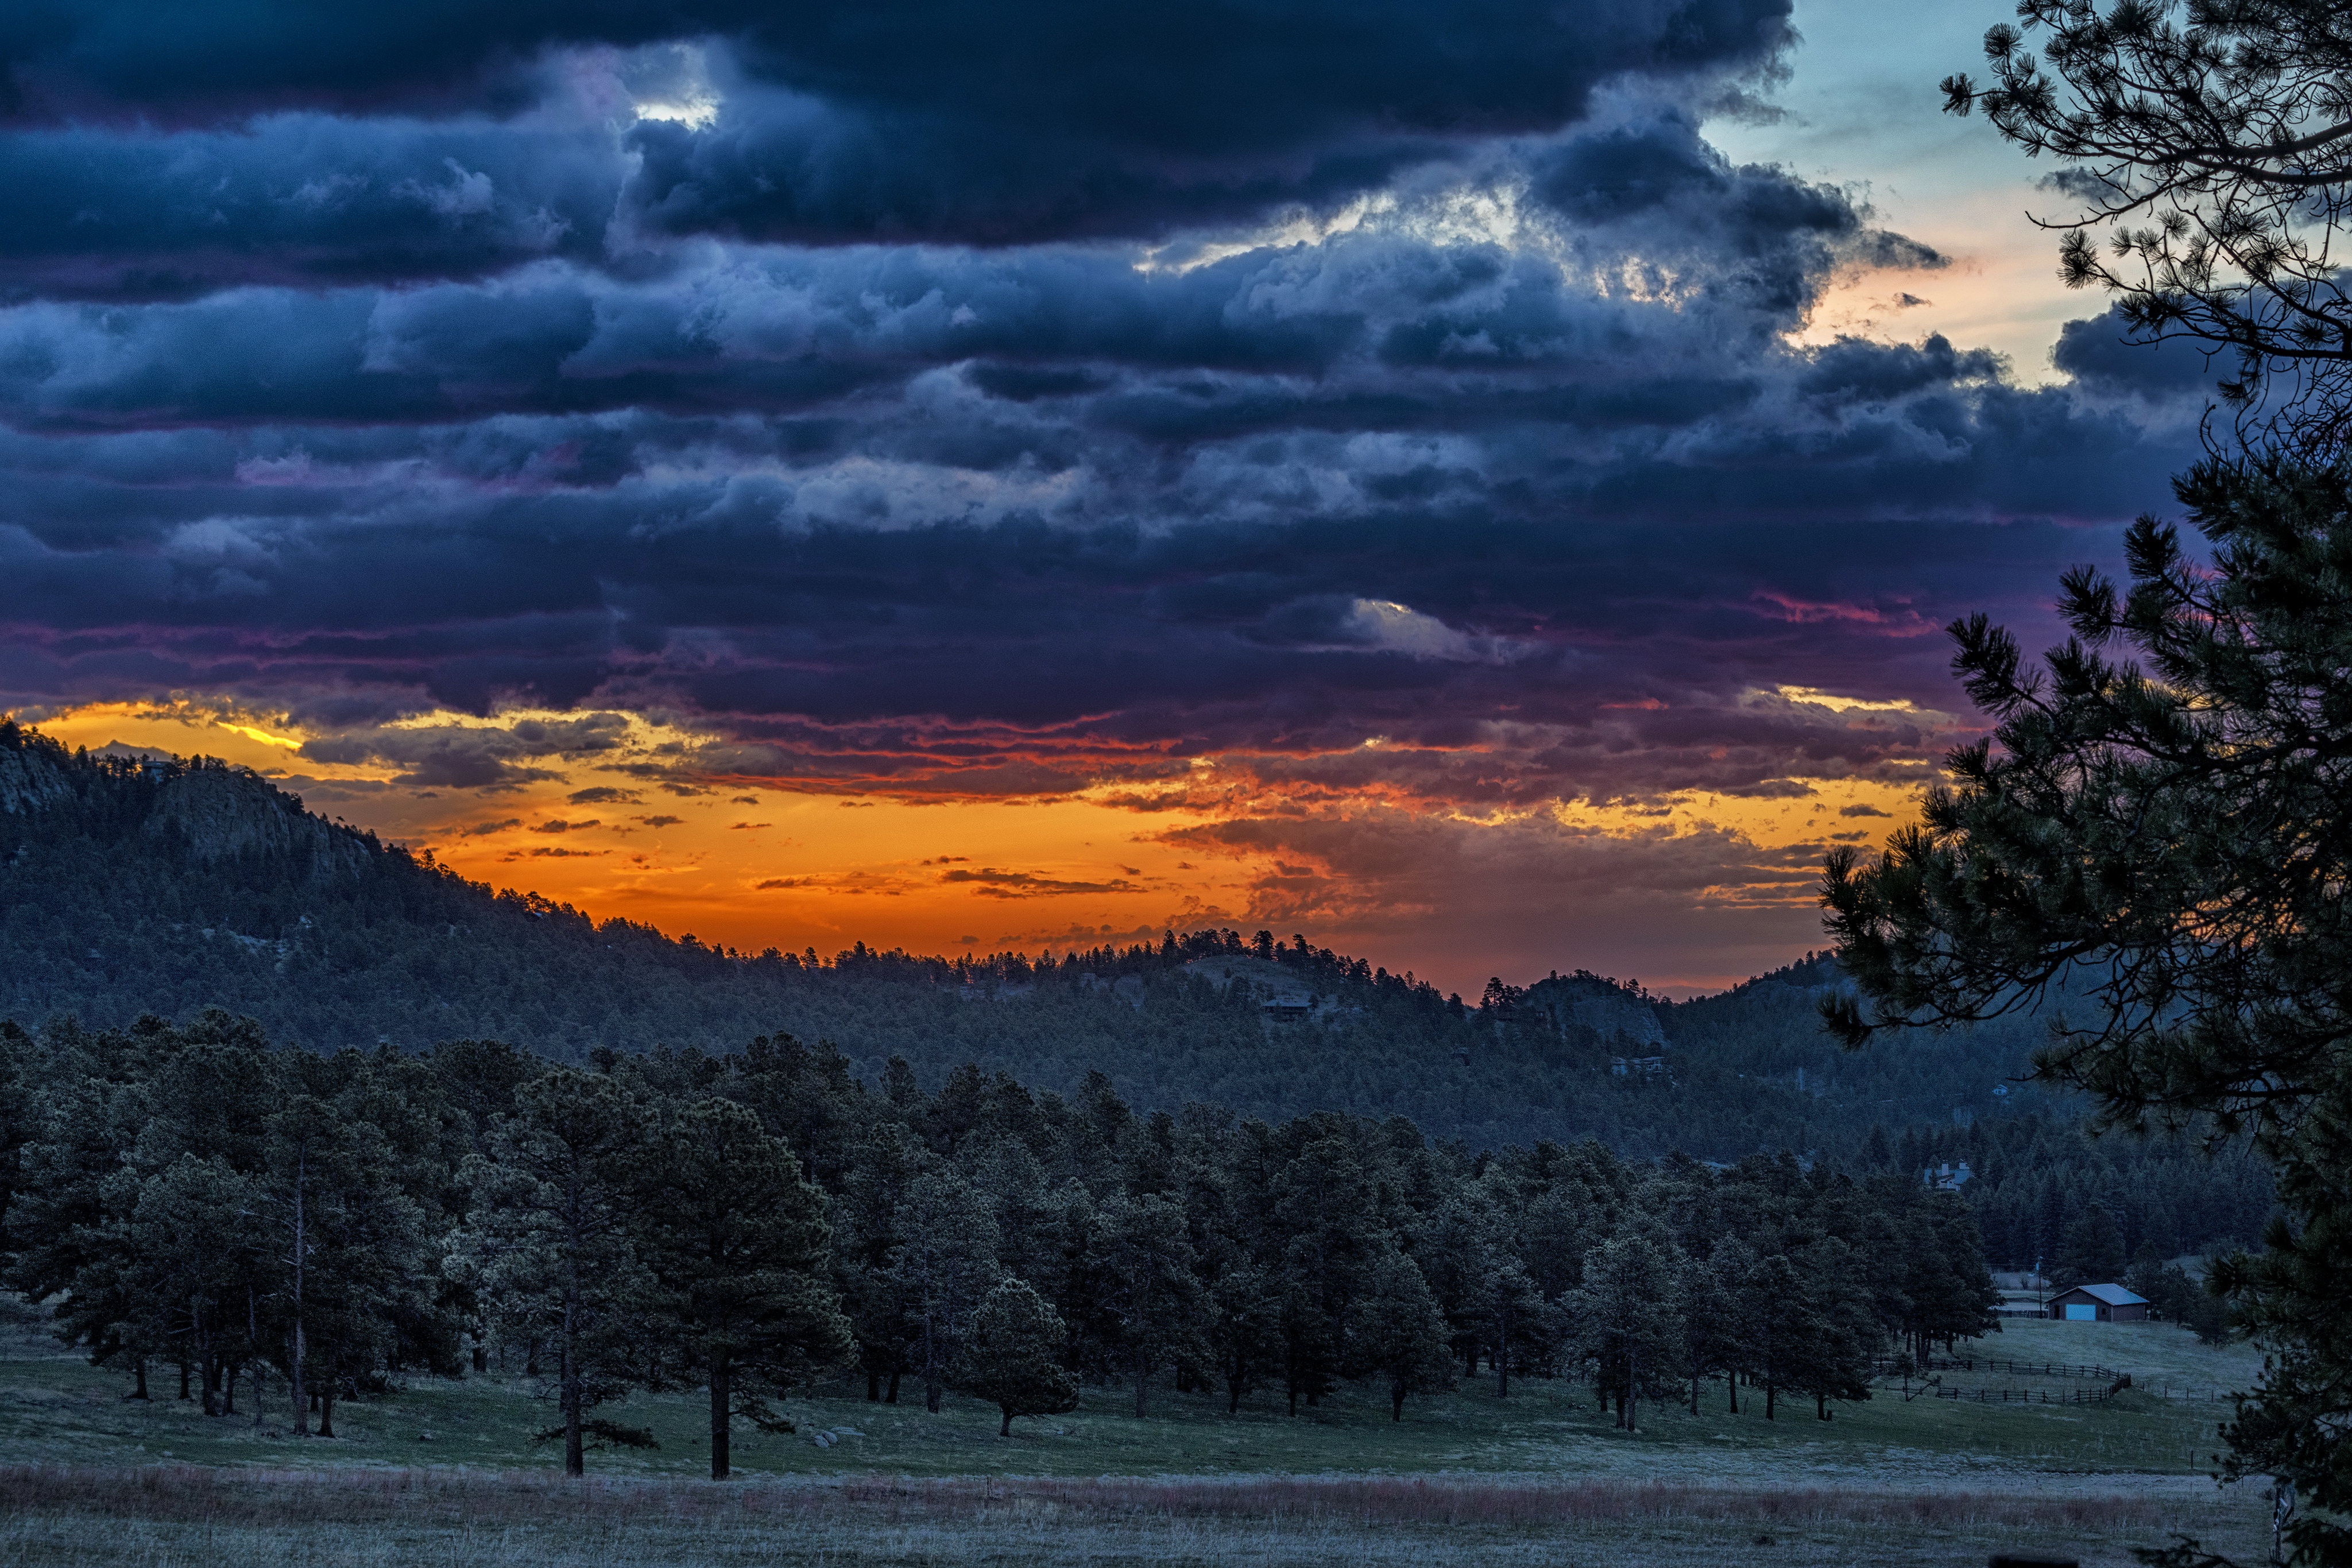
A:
1477, 483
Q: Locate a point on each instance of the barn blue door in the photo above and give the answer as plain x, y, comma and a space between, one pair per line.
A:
2076, 1313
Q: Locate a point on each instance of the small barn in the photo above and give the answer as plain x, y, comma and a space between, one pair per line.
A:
2100, 1305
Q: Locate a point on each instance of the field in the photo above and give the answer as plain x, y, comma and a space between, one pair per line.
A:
444, 1472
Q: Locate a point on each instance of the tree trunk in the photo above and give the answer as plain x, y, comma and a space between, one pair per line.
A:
872, 1386
1731, 1386
1770, 1393
1005, 1428
1142, 1379
1396, 1399
719, 1413
930, 1368
184, 1377
892, 1397
1293, 1398
481, 1360
575, 1458
1630, 1404
252, 1343
208, 1362
228, 1387
138, 1378
301, 1350
1233, 1395
327, 1407
1822, 1407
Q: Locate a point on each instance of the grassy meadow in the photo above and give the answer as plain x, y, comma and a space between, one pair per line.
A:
444, 1472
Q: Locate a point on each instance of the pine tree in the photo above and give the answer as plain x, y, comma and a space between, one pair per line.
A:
1397, 1334
1778, 1326
550, 1246
1245, 1336
1012, 1355
943, 1262
2093, 1249
865, 1238
1143, 1261
2158, 819
736, 1244
191, 1247
1627, 1319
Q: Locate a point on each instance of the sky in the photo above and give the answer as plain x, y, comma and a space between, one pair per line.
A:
1477, 485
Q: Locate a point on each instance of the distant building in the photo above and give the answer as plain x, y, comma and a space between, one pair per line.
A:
1947, 1178
1293, 1006
1637, 1066
2099, 1303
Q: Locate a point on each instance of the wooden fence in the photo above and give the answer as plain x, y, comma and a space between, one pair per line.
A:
2013, 1368
2035, 1395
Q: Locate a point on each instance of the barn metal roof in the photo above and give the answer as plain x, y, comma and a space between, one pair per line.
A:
2113, 1295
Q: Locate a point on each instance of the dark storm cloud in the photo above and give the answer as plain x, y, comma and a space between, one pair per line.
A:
300, 198
2097, 354
390, 361
921, 119
1271, 339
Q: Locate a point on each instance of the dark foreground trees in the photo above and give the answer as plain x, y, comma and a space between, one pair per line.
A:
355, 1220
2209, 141
2160, 820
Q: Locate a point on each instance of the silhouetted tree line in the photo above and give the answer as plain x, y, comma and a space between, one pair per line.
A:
295, 1230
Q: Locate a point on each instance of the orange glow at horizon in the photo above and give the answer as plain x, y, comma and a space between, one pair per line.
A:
752, 866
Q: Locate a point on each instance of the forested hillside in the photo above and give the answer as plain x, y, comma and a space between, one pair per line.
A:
130, 887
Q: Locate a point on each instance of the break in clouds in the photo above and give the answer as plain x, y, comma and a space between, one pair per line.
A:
954, 403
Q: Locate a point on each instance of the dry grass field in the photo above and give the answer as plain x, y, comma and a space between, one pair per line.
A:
169, 1514
442, 1473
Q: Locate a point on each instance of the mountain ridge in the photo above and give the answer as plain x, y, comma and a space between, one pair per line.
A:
134, 883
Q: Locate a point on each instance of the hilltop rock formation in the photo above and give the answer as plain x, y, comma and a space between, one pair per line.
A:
220, 813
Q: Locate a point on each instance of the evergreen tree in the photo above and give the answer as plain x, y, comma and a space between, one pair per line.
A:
1709, 1318
1143, 1260
1245, 1335
189, 1247
1012, 1355
1397, 1334
866, 1210
2169, 835
1778, 1326
736, 1244
943, 1262
1627, 1319
1731, 1337
550, 1246
2092, 1252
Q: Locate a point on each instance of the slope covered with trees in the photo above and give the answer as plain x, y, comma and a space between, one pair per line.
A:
131, 887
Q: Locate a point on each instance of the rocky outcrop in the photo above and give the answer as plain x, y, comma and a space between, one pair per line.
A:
30, 779
219, 813
1610, 1011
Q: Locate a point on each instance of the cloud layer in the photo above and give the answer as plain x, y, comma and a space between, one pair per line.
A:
1353, 428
